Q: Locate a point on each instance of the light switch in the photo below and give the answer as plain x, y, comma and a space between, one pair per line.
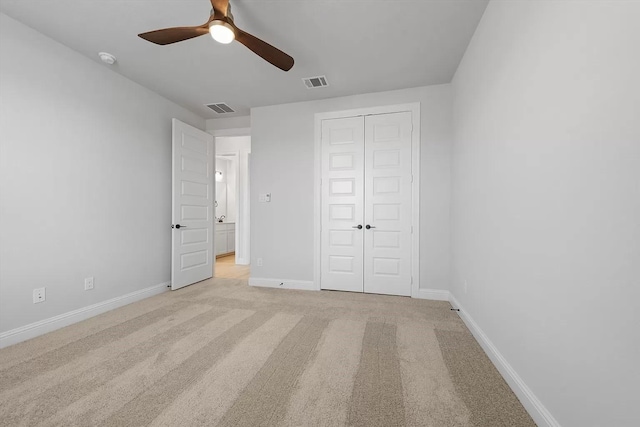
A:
264, 198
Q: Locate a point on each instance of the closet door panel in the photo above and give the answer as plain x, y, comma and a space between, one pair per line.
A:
387, 204
342, 204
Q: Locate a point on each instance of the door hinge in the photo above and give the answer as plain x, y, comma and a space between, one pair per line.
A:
412, 229
412, 280
412, 178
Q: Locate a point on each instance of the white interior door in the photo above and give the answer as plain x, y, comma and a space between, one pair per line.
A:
342, 204
387, 204
193, 168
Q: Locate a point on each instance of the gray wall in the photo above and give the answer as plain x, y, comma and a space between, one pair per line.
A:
222, 124
282, 163
546, 200
85, 179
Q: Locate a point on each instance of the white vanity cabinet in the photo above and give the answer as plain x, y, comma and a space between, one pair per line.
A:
225, 237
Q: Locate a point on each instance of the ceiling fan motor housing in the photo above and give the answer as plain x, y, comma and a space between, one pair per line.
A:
229, 14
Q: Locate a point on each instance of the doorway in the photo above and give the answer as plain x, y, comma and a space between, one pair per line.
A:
232, 207
367, 209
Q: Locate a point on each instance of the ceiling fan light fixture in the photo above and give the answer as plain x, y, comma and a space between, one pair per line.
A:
222, 32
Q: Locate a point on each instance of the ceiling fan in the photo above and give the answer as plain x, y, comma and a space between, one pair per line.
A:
221, 27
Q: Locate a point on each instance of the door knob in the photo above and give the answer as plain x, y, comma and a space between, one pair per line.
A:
369, 226
178, 226
359, 226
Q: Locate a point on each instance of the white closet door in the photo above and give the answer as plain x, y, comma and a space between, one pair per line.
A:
342, 204
387, 206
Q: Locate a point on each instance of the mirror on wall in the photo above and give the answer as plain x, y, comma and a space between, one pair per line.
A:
226, 171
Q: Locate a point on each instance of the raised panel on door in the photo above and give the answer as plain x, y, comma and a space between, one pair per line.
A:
387, 204
342, 204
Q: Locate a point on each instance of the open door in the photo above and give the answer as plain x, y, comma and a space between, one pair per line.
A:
192, 205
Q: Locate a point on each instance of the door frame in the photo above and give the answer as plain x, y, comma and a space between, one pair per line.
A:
414, 109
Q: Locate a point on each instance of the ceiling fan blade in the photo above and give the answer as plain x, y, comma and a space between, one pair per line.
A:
263, 49
220, 6
173, 35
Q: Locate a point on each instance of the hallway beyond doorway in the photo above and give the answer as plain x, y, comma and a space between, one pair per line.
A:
227, 268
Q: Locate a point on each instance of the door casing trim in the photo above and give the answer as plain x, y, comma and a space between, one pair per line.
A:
414, 109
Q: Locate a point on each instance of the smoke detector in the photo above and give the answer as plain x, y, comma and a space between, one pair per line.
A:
107, 58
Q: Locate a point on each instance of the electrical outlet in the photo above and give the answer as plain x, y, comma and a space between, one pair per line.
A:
259, 262
88, 283
465, 286
39, 295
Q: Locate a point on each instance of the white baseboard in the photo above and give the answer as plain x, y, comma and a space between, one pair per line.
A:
309, 285
432, 294
41, 327
532, 404
305, 285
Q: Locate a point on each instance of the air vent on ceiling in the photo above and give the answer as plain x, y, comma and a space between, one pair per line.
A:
313, 82
221, 108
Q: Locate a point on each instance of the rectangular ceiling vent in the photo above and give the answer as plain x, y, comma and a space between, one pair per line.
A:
221, 108
313, 82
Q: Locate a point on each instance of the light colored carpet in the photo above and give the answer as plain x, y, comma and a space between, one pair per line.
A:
223, 353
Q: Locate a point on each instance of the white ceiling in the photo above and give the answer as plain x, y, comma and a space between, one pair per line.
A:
361, 46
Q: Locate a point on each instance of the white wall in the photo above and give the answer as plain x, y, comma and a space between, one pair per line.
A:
229, 126
85, 179
226, 189
222, 165
283, 164
546, 200
232, 188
